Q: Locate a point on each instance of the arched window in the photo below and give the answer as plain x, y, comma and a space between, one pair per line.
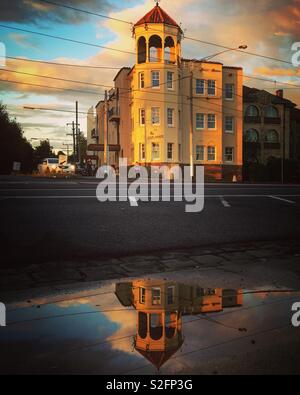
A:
155, 49
272, 136
170, 56
252, 111
251, 136
272, 112
156, 326
142, 50
142, 325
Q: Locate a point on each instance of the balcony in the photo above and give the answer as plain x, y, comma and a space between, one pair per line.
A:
114, 114
272, 121
248, 119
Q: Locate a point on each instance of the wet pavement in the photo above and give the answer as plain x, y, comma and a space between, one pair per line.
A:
175, 323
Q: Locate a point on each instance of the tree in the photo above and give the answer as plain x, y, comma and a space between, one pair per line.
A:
44, 150
82, 146
13, 145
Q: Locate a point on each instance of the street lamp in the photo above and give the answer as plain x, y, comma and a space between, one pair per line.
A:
241, 47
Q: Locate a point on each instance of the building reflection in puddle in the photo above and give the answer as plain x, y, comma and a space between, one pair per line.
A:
160, 306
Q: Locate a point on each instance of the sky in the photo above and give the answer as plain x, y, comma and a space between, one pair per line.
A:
268, 27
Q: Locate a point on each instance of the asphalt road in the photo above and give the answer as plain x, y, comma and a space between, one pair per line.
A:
50, 220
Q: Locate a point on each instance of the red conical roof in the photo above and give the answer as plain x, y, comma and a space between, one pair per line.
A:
157, 15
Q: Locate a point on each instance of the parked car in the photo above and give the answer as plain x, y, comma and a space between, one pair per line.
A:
67, 168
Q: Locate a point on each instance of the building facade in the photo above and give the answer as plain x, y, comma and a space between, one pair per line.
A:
267, 126
167, 110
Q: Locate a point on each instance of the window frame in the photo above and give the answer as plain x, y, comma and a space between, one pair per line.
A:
203, 127
152, 116
153, 72
215, 88
142, 117
226, 154
233, 124
172, 151
170, 88
142, 80
171, 287
202, 81
154, 299
208, 153
215, 118
142, 295
232, 91
142, 152
171, 125
201, 151
152, 151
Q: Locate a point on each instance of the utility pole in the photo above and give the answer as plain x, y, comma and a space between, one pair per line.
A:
191, 127
74, 141
77, 135
106, 158
68, 149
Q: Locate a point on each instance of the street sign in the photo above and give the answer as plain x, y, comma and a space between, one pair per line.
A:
16, 166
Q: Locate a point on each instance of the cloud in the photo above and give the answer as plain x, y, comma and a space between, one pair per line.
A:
34, 11
23, 40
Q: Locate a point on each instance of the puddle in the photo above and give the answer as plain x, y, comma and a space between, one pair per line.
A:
150, 327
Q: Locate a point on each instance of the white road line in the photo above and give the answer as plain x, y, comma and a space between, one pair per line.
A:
133, 202
224, 202
283, 200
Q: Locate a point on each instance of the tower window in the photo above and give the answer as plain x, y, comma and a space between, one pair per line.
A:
155, 49
170, 56
142, 50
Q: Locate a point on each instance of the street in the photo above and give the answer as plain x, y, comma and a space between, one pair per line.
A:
61, 220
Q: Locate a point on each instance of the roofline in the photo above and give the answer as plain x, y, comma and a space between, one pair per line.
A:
200, 61
120, 71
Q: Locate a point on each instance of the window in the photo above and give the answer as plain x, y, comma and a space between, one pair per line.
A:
142, 295
200, 119
272, 112
199, 152
142, 80
200, 87
251, 136
155, 116
156, 296
211, 88
171, 295
229, 91
229, 124
155, 151
229, 154
170, 116
170, 80
272, 136
142, 116
252, 111
170, 151
142, 152
211, 121
211, 153
155, 79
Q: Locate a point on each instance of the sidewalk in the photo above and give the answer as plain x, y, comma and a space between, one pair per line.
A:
276, 264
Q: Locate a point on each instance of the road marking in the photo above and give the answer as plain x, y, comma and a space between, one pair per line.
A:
133, 202
224, 202
283, 200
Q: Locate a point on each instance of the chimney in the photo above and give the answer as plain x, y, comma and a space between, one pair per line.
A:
279, 93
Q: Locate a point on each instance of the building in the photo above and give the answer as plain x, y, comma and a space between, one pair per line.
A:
167, 110
267, 126
295, 135
160, 307
92, 138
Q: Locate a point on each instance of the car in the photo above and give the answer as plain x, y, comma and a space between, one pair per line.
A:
49, 166
67, 168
